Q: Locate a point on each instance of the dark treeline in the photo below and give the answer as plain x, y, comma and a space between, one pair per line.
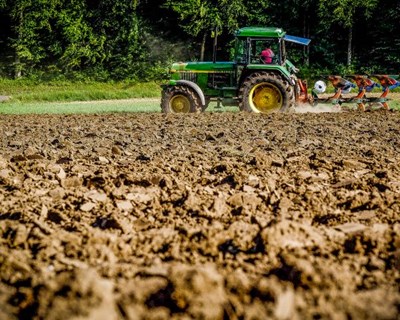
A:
137, 39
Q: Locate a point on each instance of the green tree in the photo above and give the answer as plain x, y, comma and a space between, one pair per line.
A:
30, 23
296, 17
75, 35
122, 39
76, 44
382, 50
199, 17
45, 31
345, 12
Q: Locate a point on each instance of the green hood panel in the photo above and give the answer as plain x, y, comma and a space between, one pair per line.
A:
202, 67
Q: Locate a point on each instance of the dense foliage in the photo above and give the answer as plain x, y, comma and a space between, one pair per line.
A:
137, 39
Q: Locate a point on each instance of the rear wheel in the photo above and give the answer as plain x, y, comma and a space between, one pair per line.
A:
180, 99
264, 92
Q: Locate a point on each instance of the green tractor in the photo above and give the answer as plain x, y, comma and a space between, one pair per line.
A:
259, 79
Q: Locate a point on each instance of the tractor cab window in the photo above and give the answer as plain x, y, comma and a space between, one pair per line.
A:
241, 52
264, 51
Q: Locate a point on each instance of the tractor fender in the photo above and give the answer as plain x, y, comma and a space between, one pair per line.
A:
196, 88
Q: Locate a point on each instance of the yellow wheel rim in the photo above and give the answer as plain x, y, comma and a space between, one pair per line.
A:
265, 98
179, 104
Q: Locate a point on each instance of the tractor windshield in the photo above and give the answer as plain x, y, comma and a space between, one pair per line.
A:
258, 51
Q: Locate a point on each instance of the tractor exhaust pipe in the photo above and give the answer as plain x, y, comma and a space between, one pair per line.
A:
215, 45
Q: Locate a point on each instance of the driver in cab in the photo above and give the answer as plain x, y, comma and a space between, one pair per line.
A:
267, 56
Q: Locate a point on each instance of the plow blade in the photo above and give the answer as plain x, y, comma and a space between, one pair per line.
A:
365, 84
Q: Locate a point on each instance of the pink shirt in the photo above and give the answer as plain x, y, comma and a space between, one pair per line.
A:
267, 55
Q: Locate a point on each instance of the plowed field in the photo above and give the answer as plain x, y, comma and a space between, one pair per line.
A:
209, 216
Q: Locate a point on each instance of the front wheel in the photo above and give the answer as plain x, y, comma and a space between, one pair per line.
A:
264, 92
180, 99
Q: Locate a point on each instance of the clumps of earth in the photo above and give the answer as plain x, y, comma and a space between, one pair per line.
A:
203, 216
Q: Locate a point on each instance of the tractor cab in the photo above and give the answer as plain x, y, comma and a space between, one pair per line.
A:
266, 48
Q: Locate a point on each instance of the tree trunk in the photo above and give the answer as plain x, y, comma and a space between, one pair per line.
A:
203, 46
350, 47
17, 60
306, 34
18, 67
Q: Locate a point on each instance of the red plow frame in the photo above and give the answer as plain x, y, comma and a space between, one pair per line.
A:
343, 86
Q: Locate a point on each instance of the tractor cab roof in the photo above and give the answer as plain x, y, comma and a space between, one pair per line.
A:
260, 32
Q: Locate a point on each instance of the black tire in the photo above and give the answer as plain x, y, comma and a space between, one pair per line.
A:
180, 99
266, 92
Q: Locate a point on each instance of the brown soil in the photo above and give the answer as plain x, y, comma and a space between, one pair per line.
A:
210, 216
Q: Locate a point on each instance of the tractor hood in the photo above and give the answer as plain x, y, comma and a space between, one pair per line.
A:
199, 67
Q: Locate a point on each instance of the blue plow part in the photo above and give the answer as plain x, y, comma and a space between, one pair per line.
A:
348, 86
298, 40
394, 86
370, 87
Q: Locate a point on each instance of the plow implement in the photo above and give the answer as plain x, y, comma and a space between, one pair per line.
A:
365, 85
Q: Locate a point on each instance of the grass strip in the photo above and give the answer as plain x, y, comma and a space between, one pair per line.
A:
29, 91
109, 106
